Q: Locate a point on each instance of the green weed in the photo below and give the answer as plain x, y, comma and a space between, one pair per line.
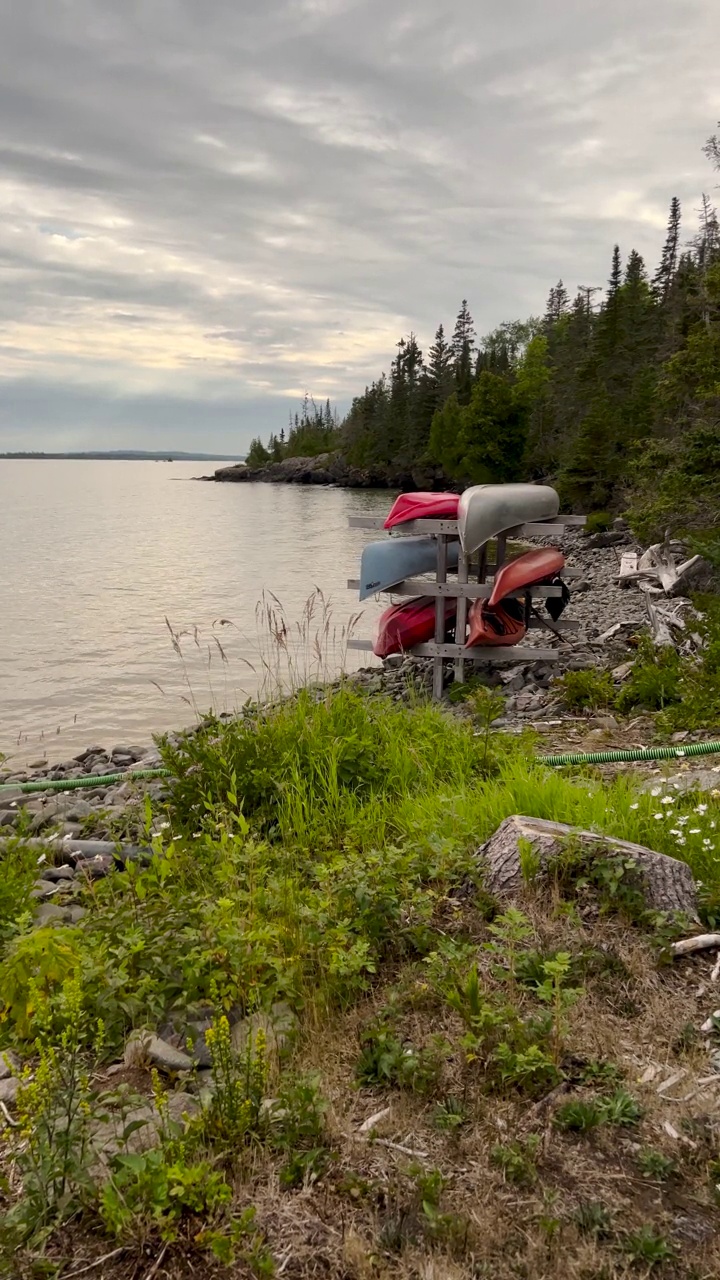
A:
593, 1219
587, 690
518, 1160
655, 1165
647, 1247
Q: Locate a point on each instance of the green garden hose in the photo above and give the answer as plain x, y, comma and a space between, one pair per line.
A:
571, 757
72, 784
632, 754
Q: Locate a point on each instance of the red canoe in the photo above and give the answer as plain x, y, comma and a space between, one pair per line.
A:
423, 506
526, 571
404, 625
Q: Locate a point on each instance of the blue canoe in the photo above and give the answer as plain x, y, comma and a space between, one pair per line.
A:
384, 564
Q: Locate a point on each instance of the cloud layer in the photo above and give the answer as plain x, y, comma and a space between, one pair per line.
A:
208, 208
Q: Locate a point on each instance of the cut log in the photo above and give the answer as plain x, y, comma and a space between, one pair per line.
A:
668, 884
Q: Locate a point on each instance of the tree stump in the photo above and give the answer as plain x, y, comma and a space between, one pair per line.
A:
667, 883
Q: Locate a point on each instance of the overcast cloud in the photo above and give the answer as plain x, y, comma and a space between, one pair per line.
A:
210, 206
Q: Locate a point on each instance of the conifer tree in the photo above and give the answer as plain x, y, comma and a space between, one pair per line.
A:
665, 274
462, 347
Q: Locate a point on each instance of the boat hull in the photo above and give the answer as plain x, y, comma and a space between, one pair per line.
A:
402, 626
526, 571
486, 510
503, 625
422, 506
384, 564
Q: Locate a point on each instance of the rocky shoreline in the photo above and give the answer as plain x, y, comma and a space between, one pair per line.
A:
333, 469
608, 616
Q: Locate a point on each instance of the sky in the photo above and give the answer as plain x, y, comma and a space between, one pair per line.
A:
209, 207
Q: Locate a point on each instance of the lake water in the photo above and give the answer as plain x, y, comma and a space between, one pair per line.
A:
95, 557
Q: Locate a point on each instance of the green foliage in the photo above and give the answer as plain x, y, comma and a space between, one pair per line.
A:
518, 1160
34, 966
580, 1115
598, 522
297, 1123
587, 690
621, 1109
150, 1190
593, 1219
239, 1085
450, 1114
653, 1164
647, 1247
654, 681
257, 454
18, 871
386, 1060
52, 1144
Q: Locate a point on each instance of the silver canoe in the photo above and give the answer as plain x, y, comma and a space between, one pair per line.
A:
384, 564
486, 510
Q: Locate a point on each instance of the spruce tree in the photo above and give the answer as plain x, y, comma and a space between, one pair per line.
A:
462, 347
665, 274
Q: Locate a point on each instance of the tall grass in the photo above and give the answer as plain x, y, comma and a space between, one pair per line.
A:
286, 654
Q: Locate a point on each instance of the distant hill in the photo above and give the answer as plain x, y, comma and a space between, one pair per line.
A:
136, 455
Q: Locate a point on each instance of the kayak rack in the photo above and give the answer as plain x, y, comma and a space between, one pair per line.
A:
473, 582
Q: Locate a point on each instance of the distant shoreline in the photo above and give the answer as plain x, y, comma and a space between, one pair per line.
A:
124, 455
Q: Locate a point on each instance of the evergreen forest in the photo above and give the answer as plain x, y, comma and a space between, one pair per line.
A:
612, 395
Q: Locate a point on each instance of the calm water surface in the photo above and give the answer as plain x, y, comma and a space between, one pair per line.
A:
95, 556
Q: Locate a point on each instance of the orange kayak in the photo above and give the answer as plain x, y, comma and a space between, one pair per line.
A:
526, 571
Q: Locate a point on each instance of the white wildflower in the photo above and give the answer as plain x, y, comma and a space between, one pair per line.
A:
668, 800
655, 791
634, 806
41, 859
659, 816
694, 831
702, 808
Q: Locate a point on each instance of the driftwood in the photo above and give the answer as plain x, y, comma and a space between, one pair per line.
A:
668, 884
703, 942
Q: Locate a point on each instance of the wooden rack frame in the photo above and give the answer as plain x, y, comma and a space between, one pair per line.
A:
463, 590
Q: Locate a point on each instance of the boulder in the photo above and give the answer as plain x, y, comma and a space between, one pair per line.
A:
9, 1089
143, 1047
9, 1064
668, 884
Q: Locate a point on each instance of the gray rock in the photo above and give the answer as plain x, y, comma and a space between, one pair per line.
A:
9, 1089
144, 1047
56, 874
44, 889
278, 1028
9, 1064
8, 817
49, 913
75, 914
78, 809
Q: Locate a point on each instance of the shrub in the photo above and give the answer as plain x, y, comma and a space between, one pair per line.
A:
598, 522
587, 690
654, 682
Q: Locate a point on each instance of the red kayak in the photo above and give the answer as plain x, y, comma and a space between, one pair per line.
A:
526, 571
502, 625
402, 626
423, 506
501, 620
